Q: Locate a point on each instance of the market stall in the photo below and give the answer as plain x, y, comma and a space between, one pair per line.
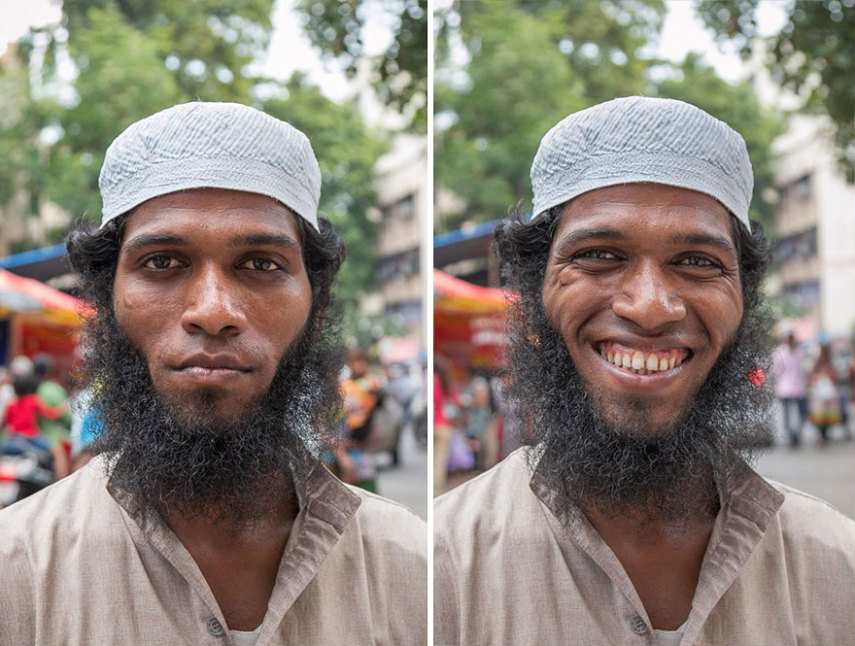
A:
36, 318
469, 321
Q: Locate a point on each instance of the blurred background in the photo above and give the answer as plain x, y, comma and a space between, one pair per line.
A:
779, 72
351, 74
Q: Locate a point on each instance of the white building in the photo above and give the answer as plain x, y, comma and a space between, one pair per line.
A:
815, 227
403, 249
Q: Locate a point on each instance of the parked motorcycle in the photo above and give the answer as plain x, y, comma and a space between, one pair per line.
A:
24, 470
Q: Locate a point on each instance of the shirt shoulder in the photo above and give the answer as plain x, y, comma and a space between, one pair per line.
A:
491, 497
382, 520
77, 504
808, 519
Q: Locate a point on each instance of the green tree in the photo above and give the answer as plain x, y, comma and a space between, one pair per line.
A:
558, 58
21, 123
121, 78
205, 43
400, 71
563, 57
813, 55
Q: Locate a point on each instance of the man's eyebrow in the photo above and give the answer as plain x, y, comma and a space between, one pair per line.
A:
584, 235
721, 242
152, 240
264, 239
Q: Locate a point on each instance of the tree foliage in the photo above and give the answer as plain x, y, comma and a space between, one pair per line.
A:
399, 73
813, 55
560, 57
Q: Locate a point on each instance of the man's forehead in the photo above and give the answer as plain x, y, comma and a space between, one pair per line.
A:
619, 212
236, 216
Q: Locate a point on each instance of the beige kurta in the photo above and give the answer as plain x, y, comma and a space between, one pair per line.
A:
76, 570
512, 568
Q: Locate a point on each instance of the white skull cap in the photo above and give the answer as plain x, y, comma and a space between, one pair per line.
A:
210, 145
642, 139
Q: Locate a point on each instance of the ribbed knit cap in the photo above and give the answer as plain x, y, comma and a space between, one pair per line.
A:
642, 139
210, 145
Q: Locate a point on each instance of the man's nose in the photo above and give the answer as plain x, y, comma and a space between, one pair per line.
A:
212, 306
648, 298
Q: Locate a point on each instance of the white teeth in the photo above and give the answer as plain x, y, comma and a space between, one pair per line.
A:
637, 362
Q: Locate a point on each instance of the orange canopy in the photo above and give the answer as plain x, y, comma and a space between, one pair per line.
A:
25, 295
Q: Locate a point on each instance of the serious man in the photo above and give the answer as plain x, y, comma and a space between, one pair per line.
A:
638, 355
206, 519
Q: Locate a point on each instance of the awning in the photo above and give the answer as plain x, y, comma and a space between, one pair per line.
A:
19, 295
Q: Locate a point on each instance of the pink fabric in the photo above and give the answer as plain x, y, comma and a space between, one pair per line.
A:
789, 372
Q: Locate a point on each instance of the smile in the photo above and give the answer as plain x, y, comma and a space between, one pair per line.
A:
643, 362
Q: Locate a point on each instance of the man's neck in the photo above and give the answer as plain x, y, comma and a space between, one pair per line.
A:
239, 561
663, 563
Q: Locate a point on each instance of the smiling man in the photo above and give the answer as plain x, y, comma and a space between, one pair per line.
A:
638, 348
206, 519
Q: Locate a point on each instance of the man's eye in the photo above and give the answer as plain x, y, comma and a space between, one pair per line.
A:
698, 261
160, 262
596, 254
261, 264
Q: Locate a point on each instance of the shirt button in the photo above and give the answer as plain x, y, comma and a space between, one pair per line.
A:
215, 627
639, 626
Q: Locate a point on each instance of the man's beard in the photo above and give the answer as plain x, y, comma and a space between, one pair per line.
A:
195, 462
610, 461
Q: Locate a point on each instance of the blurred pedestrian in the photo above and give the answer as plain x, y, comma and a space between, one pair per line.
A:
445, 410
478, 417
20, 365
791, 386
21, 423
825, 409
361, 391
55, 431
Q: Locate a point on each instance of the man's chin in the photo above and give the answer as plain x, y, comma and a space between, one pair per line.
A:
637, 417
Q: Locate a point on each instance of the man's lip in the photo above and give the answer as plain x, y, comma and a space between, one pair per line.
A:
212, 362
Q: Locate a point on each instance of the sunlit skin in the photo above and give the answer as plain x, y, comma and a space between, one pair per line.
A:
649, 269
212, 289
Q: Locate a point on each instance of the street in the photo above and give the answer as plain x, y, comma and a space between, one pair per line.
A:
827, 473
406, 483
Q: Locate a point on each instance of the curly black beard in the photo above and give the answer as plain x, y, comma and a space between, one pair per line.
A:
234, 469
610, 461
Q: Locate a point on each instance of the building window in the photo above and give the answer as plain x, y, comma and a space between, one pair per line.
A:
403, 209
796, 247
399, 265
